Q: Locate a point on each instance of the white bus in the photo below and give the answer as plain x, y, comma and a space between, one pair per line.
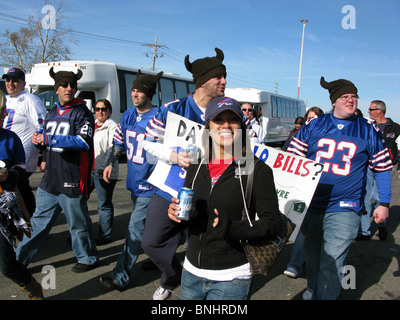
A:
104, 80
276, 113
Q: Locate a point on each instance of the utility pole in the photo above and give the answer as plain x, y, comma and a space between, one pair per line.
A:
155, 47
301, 56
276, 87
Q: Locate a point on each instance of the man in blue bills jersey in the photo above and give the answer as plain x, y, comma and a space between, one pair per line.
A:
130, 135
68, 144
159, 240
346, 145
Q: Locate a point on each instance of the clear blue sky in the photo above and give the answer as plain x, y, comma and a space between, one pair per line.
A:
261, 41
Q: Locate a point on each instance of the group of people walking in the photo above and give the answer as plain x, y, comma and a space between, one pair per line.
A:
79, 153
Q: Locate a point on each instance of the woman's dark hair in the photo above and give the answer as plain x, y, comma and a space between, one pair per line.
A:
106, 103
318, 111
299, 120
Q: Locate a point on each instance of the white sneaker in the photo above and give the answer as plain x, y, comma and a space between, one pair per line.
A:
161, 294
290, 272
307, 295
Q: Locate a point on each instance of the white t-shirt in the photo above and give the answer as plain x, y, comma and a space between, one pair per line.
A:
25, 112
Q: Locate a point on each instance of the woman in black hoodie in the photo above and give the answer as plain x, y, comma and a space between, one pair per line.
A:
215, 265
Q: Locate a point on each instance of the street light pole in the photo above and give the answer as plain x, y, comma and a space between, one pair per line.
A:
301, 56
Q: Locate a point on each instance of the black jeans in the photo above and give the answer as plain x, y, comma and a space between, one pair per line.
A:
10, 267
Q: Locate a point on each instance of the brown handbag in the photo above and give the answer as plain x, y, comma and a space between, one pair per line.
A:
263, 253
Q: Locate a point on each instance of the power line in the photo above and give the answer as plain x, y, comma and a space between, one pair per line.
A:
155, 47
7, 17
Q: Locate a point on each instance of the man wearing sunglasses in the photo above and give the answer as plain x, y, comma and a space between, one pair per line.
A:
26, 112
68, 144
257, 134
391, 132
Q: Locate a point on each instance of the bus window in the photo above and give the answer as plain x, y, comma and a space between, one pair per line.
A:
280, 106
257, 112
88, 95
273, 106
180, 89
299, 110
167, 91
192, 87
292, 109
285, 109
49, 99
157, 97
129, 78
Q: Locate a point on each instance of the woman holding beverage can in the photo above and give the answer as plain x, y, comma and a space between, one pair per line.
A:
215, 266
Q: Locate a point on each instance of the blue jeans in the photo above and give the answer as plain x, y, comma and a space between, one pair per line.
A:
371, 201
132, 248
196, 288
297, 255
104, 193
10, 267
48, 208
160, 241
327, 243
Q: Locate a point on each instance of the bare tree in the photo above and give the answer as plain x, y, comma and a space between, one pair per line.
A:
43, 40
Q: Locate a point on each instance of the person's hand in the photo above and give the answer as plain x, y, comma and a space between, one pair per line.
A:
37, 139
107, 173
380, 214
183, 159
173, 210
216, 219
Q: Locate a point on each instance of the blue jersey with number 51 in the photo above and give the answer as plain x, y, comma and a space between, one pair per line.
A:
130, 135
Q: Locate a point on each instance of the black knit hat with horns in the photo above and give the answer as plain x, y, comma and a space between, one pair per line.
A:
146, 83
206, 68
65, 76
338, 88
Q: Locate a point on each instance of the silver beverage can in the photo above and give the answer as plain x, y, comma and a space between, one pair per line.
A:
193, 152
185, 196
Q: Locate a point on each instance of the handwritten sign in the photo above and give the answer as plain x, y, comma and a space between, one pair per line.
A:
296, 179
179, 133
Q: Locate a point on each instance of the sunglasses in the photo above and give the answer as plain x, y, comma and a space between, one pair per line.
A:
244, 109
372, 109
65, 85
100, 109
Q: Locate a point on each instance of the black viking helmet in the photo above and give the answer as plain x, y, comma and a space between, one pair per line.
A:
337, 88
206, 68
146, 83
65, 76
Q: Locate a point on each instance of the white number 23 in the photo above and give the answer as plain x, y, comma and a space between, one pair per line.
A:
347, 148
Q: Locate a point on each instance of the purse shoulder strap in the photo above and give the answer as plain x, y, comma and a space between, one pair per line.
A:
249, 190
